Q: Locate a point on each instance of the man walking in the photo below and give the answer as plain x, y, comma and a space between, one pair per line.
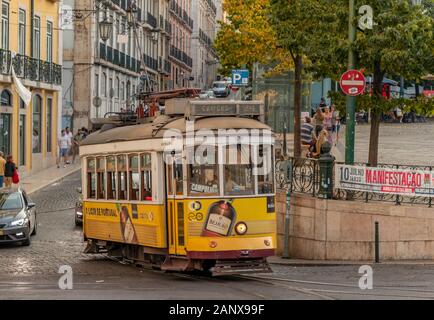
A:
2, 169
64, 144
70, 136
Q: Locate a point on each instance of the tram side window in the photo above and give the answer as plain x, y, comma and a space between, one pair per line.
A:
146, 176
238, 170
122, 177
203, 173
111, 177
265, 170
100, 170
91, 179
134, 183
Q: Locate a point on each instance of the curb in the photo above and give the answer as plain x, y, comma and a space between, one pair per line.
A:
314, 263
54, 180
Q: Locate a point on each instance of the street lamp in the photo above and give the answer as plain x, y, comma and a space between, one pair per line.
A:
105, 29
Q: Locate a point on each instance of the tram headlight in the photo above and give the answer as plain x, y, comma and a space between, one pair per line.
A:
241, 228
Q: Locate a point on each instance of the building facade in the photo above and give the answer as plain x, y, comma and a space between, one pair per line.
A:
31, 45
180, 45
205, 62
104, 76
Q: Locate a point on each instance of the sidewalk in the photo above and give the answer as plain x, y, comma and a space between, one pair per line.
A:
332, 263
46, 177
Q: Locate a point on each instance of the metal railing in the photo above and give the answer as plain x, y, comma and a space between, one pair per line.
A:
302, 175
30, 68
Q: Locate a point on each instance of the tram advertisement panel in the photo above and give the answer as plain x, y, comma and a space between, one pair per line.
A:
230, 217
126, 223
404, 182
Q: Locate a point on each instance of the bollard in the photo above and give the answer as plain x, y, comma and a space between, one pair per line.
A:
326, 172
377, 242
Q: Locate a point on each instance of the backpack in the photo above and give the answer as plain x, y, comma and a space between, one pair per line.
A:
16, 177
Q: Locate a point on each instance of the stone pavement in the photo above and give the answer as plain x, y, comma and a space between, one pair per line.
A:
277, 260
400, 143
46, 177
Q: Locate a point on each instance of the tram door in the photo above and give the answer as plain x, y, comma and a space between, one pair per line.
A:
175, 207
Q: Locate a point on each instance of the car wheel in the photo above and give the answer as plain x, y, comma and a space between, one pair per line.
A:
27, 241
77, 223
34, 228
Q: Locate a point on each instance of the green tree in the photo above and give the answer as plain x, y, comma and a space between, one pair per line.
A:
309, 30
400, 43
247, 37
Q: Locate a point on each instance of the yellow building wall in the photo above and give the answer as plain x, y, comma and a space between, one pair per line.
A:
47, 10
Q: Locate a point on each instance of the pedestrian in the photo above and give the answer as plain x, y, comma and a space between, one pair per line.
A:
76, 145
10, 169
336, 122
2, 169
70, 136
84, 133
35, 141
306, 131
64, 145
321, 138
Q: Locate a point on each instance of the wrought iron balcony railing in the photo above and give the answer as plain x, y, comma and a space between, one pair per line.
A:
151, 20
30, 68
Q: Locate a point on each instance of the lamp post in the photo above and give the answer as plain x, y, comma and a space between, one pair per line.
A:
351, 101
105, 29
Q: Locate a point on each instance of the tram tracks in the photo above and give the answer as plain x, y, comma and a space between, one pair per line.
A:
377, 291
312, 289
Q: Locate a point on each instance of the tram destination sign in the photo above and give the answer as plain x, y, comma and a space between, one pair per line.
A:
220, 109
225, 109
405, 182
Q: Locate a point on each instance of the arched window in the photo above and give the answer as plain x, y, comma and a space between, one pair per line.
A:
37, 115
6, 98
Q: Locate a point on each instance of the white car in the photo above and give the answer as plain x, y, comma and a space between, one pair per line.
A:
208, 94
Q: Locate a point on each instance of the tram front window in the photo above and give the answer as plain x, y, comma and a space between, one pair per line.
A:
203, 172
238, 178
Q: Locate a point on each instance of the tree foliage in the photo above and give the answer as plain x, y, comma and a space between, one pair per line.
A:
247, 37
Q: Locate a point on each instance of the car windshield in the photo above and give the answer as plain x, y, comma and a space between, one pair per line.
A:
10, 201
219, 85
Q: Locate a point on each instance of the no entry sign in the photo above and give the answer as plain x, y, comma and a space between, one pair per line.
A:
353, 83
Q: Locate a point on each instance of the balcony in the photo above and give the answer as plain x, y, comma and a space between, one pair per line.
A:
115, 57
151, 20
167, 66
181, 56
151, 62
118, 58
181, 14
30, 68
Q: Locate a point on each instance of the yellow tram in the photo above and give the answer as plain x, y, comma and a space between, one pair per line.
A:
192, 189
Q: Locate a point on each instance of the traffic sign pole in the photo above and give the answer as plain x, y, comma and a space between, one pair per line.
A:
351, 100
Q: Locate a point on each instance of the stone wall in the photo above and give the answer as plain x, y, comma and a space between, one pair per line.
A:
344, 230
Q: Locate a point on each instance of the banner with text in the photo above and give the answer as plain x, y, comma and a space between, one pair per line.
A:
404, 182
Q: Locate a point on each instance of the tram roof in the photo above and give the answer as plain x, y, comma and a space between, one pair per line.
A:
162, 123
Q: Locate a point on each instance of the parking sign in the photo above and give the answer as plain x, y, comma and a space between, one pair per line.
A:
240, 77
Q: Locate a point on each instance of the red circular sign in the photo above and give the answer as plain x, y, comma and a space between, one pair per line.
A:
353, 83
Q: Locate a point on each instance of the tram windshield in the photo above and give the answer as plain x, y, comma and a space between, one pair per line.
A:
203, 171
244, 170
238, 170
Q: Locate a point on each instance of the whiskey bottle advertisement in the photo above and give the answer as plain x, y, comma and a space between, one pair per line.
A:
220, 219
127, 228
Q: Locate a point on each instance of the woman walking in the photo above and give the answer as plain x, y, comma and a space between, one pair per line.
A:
10, 168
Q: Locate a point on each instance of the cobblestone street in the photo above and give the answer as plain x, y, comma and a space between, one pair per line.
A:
31, 272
